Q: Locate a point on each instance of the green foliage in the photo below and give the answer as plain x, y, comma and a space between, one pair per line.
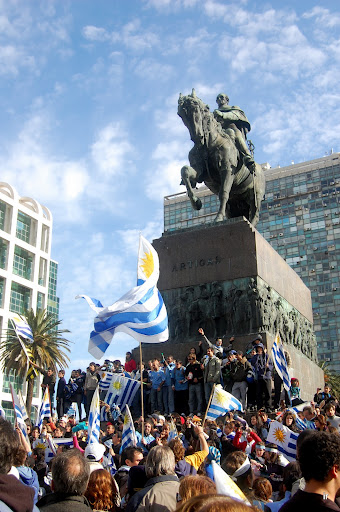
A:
331, 377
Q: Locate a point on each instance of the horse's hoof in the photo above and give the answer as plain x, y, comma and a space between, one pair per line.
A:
219, 217
198, 204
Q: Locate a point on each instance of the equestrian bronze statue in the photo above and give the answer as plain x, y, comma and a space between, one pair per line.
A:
220, 158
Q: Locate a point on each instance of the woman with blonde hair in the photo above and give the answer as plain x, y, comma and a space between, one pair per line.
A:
101, 491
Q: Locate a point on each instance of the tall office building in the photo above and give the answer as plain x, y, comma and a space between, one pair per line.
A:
28, 276
300, 219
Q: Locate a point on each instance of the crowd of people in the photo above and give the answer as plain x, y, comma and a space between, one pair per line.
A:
172, 465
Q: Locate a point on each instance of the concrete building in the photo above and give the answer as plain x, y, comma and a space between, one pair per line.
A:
28, 276
300, 218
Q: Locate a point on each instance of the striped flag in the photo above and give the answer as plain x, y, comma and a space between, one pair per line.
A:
141, 312
45, 408
301, 424
22, 328
284, 438
225, 485
19, 414
221, 403
23, 407
122, 391
173, 430
105, 380
128, 434
280, 363
94, 419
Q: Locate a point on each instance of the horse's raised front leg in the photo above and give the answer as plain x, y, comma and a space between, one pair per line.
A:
189, 179
226, 184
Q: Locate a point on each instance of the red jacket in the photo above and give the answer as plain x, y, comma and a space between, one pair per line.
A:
130, 365
242, 445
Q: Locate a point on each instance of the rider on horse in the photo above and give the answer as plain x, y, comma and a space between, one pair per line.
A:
236, 124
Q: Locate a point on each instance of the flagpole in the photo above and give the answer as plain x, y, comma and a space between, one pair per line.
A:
210, 398
141, 356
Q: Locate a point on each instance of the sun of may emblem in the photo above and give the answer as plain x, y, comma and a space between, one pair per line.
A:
126, 419
220, 398
279, 435
117, 385
148, 264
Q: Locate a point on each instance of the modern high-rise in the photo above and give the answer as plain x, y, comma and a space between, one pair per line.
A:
28, 275
300, 218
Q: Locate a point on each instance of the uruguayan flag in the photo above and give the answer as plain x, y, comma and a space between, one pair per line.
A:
22, 328
280, 362
23, 407
19, 414
141, 312
94, 419
222, 402
284, 438
225, 485
173, 431
302, 424
128, 434
45, 408
105, 380
122, 391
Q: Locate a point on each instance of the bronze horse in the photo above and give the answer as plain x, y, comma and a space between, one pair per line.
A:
215, 160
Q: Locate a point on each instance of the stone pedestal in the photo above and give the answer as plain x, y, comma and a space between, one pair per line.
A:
227, 279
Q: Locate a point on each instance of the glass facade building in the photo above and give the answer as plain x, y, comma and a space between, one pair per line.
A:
28, 275
300, 219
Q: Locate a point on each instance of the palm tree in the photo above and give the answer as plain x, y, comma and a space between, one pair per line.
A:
332, 378
48, 348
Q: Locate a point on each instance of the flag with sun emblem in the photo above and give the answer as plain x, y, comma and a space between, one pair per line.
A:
141, 312
222, 402
122, 391
128, 434
226, 486
284, 438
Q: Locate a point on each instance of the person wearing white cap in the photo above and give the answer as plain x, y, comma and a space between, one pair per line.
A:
94, 454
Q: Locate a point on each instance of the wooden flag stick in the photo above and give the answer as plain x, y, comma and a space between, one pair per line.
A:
210, 398
141, 385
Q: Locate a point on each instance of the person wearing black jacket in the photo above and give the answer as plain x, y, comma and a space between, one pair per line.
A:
61, 393
194, 376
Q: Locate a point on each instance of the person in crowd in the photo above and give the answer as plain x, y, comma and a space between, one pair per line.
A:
245, 439
168, 392
227, 369
180, 387
237, 465
333, 420
94, 454
288, 420
319, 459
160, 491
256, 424
101, 491
194, 485
110, 430
61, 393
211, 372
136, 405
198, 353
70, 476
217, 347
130, 364
320, 423
69, 392
48, 380
90, 385
130, 457
14, 495
275, 464
324, 396
309, 416
214, 503
291, 474
144, 440
239, 370
262, 492
194, 376
79, 380
295, 391
189, 465
157, 379
262, 368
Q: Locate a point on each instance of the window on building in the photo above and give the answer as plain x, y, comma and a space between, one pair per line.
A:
9, 411
2, 291
3, 253
2, 215
23, 227
20, 298
40, 301
45, 232
23, 263
11, 379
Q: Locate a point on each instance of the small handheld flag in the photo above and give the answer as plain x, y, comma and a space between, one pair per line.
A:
280, 362
225, 485
221, 403
22, 328
129, 434
94, 419
45, 408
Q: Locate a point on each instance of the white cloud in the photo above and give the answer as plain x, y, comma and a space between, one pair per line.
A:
323, 17
111, 149
13, 59
151, 69
170, 4
164, 179
93, 33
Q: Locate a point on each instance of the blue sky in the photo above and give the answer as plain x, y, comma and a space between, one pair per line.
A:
89, 127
